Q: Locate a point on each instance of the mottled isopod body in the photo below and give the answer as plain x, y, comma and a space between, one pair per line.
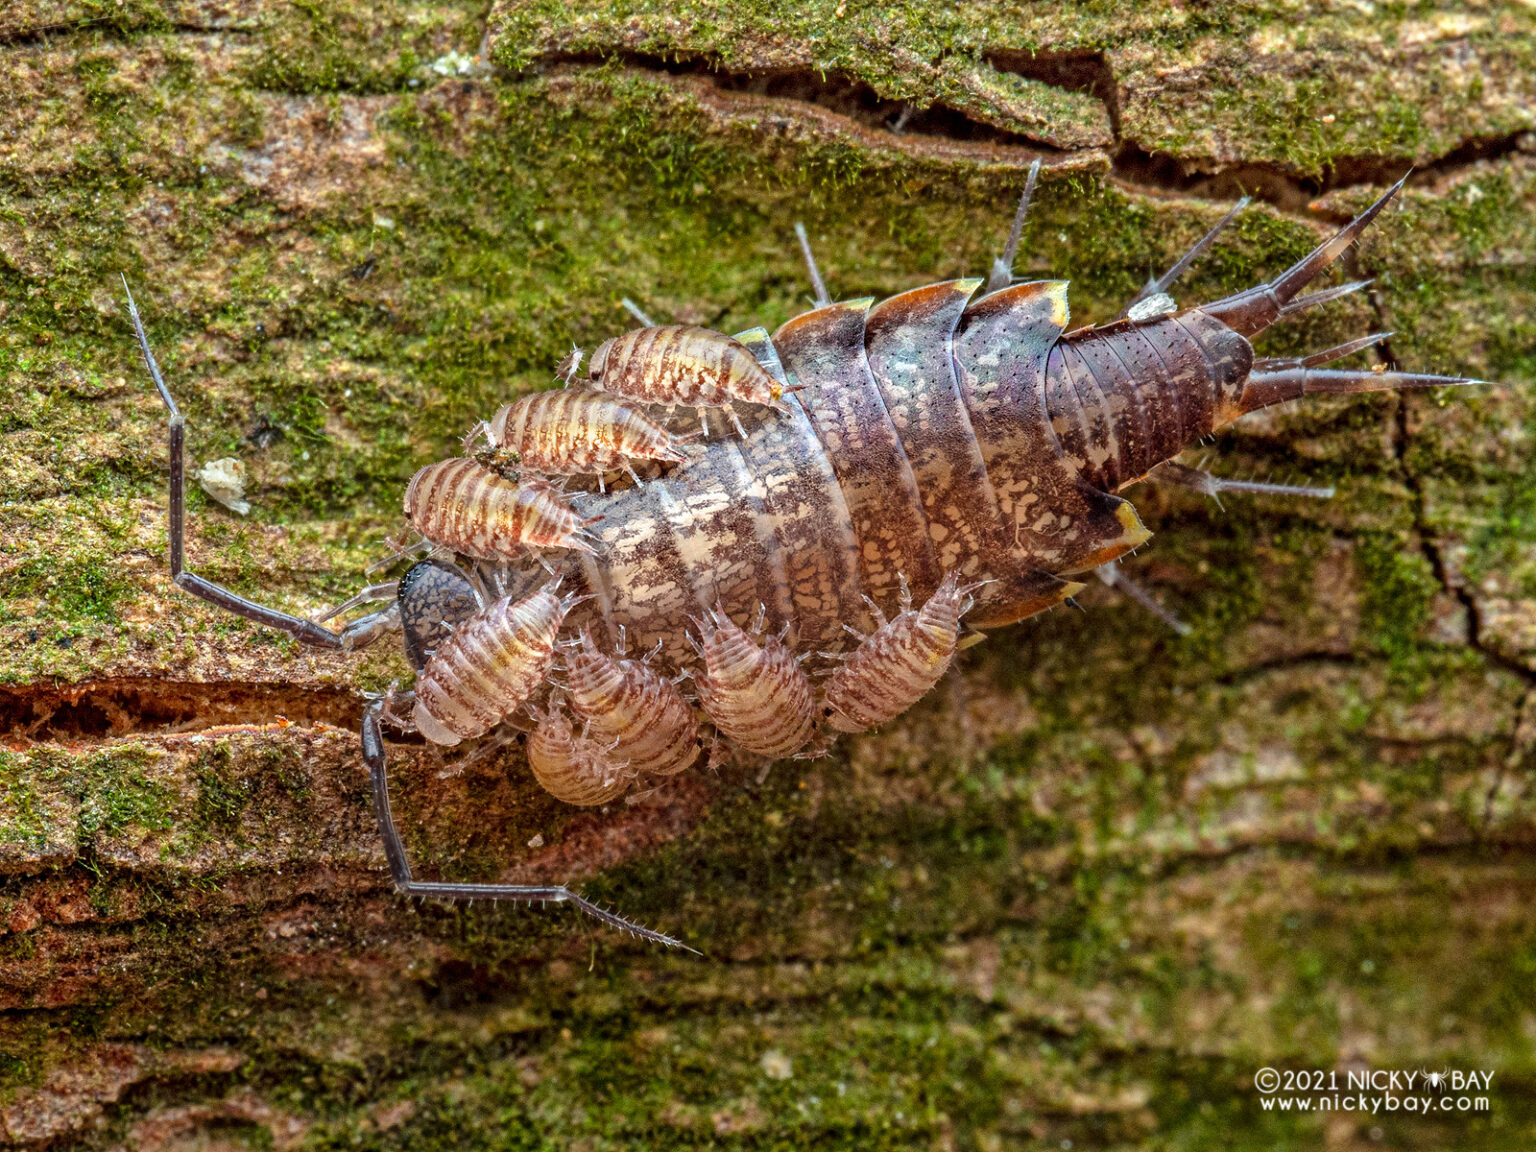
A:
755, 694
572, 768
579, 433
462, 505
489, 667
681, 364
633, 709
898, 663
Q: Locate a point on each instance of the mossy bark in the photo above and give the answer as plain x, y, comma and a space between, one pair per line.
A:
1081, 894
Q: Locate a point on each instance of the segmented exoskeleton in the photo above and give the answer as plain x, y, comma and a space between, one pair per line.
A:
960, 444
574, 433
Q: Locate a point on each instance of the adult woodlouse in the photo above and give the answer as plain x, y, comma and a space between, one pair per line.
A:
954, 443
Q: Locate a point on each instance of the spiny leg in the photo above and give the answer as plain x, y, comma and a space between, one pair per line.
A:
1155, 292
1002, 267
1213, 486
406, 884
822, 299
305, 631
1114, 576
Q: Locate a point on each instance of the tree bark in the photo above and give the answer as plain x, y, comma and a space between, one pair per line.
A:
1083, 893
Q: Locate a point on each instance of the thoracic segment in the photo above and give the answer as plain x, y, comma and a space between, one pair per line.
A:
462, 505
569, 433
898, 663
755, 694
571, 767
632, 709
489, 667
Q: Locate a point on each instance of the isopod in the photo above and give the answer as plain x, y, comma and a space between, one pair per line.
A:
682, 364
897, 664
755, 694
955, 436
463, 505
489, 666
571, 767
568, 433
632, 709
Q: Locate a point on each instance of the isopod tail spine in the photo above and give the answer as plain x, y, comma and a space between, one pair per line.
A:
1249, 313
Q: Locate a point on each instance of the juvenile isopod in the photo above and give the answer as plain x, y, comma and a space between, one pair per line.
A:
682, 364
569, 433
571, 767
489, 666
755, 694
899, 662
632, 709
463, 505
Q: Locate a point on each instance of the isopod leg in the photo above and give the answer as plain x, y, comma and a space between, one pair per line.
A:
817, 283
408, 885
1160, 286
1213, 486
369, 595
1115, 577
1001, 275
305, 631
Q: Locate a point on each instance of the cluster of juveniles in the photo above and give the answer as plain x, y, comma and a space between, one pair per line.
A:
499, 504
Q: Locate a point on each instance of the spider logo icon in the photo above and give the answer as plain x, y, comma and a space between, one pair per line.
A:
1439, 1081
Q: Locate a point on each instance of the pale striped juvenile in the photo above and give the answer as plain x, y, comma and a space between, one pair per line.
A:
463, 505
569, 433
755, 694
632, 709
571, 767
899, 662
489, 667
685, 365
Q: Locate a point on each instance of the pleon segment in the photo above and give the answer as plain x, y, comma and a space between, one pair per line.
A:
570, 433
755, 693
489, 667
572, 768
682, 364
632, 709
898, 663
465, 506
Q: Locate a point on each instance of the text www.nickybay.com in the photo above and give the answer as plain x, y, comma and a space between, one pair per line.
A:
1374, 1104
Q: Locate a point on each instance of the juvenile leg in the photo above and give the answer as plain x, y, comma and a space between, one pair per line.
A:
1114, 576
634, 310
406, 884
306, 631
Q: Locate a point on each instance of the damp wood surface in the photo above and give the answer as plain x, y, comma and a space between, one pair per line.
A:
1082, 893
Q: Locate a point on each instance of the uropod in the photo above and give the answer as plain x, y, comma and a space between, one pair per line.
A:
952, 456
